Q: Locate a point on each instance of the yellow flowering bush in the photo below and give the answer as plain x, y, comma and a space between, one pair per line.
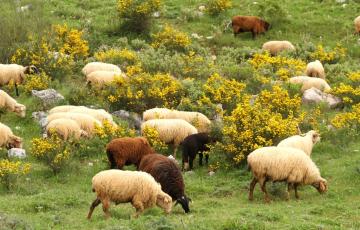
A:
349, 119
332, 56
143, 91
109, 131
123, 57
36, 82
171, 39
350, 93
215, 7
152, 135
9, 171
272, 116
53, 151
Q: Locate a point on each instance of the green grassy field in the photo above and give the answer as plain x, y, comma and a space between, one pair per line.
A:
41, 200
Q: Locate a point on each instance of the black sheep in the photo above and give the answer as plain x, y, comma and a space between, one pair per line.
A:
168, 174
193, 144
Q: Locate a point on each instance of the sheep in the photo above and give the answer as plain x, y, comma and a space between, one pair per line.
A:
274, 47
95, 66
309, 82
192, 145
64, 108
65, 128
126, 151
283, 164
199, 120
101, 77
357, 25
252, 24
15, 73
315, 69
118, 186
304, 143
86, 122
8, 139
168, 174
170, 130
10, 103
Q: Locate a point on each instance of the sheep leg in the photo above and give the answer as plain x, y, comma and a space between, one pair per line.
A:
200, 158
95, 203
191, 160
288, 191
206, 159
175, 149
16, 90
252, 186
296, 192
106, 206
263, 189
253, 34
138, 206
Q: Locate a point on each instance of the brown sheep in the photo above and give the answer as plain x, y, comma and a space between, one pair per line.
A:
252, 24
127, 151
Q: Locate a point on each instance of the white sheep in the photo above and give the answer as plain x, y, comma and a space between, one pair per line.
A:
8, 139
170, 130
274, 47
85, 121
283, 164
309, 82
99, 114
101, 77
14, 73
64, 108
95, 66
357, 24
65, 128
315, 69
11, 104
304, 143
118, 186
199, 120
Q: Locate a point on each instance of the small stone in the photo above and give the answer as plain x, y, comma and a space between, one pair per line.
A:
90, 164
202, 8
156, 14
17, 153
316, 96
211, 173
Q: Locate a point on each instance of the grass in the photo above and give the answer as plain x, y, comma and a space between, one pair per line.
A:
44, 201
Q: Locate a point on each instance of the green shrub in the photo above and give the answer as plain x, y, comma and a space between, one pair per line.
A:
215, 7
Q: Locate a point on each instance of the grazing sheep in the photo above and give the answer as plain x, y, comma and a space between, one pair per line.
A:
252, 24
199, 120
309, 82
274, 47
304, 143
86, 122
64, 108
118, 186
193, 145
95, 66
10, 103
357, 25
99, 114
8, 139
101, 77
283, 164
315, 69
168, 174
15, 73
171, 130
126, 151
65, 128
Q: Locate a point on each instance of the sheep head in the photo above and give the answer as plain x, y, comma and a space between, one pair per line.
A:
184, 201
321, 185
31, 70
266, 25
20, 110
164, 201
14, 142
315, 136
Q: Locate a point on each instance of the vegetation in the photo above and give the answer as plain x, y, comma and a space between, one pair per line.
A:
178, 55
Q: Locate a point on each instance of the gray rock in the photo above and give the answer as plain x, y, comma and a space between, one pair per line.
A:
253, 99
211, 173
134, 119
41, 118
316, 96
47, 96
17, 153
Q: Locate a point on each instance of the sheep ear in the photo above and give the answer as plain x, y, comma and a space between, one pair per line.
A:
323, 186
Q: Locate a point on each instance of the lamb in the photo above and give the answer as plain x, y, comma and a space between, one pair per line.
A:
86, 122
304, 143
8, 139
11, 104
192, 145
357, 25
126, 151
101, 77
274, 47
170, 130
315, 69
309, 82
65, 128
199, 120
95, 66
168, 174
252, 24
118, 186
283, 164
15, 73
